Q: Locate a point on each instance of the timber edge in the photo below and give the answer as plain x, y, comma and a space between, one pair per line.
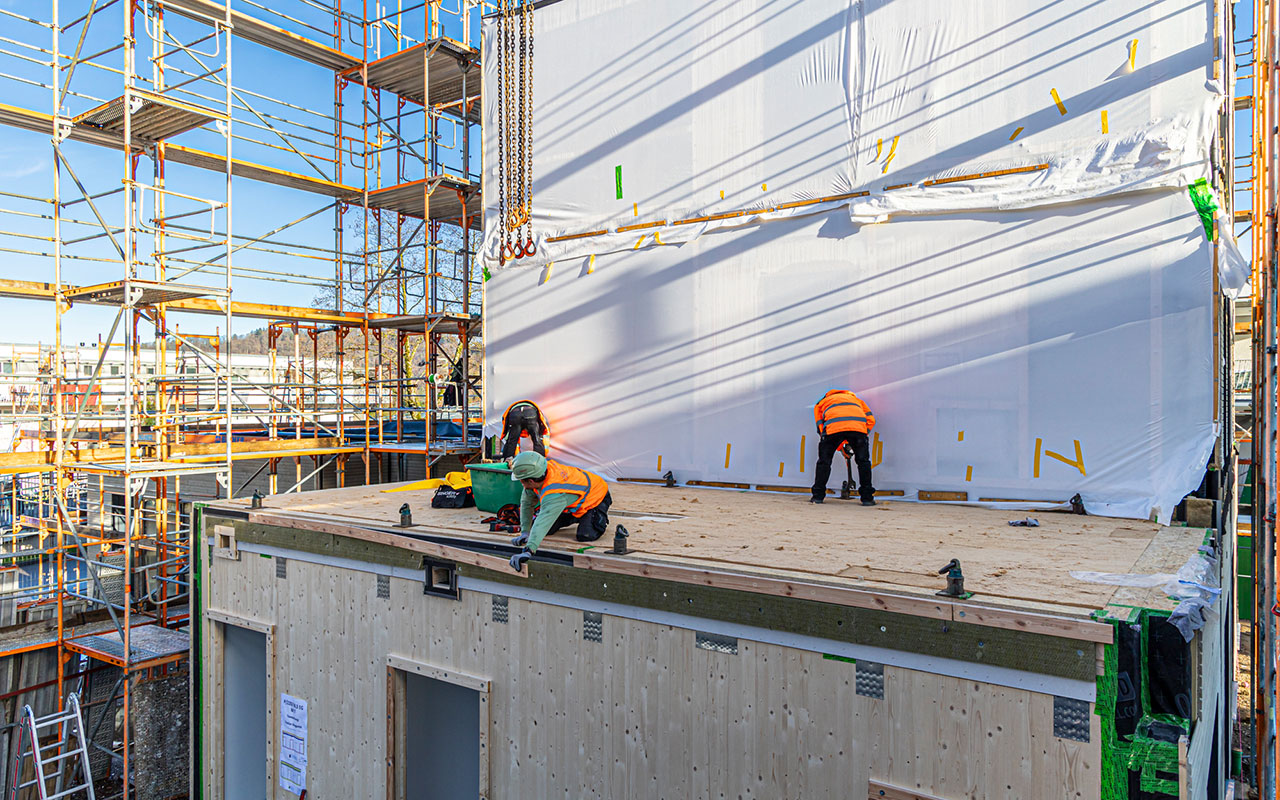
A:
490, 556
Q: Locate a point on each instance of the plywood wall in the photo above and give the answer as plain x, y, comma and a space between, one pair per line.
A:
642, 714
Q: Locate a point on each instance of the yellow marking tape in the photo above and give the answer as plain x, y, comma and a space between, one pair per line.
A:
764, 187
1058, 101
591, 267
635, 209
877, 450
1036, 472
780, 465
879, 145
1104, 120
893, 149
547, 278
960, 437
656, 239
659, 463
638, 243
968, 473
802, 454
1016, 131
722, 194
1133, 54
727, 447
1078, 463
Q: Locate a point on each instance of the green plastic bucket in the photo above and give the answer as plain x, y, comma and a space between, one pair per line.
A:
492, 486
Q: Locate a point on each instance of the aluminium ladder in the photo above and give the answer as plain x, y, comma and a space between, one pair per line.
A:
50, 761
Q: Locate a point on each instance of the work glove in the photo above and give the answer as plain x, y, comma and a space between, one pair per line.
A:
521, 540
517, 561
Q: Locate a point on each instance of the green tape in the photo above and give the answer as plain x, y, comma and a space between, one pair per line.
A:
1115, 780
830, 657
487, 276
1202, 198
617, 179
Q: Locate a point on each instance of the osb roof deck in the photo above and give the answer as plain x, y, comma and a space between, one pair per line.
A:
895, 548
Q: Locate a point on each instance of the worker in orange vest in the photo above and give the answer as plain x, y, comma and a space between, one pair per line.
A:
563, 495
523, 418
842, 417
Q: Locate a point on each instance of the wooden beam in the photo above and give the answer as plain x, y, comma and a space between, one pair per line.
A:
1046, 624
257, 446
883, 791
1008, 619
456, 554
823, 593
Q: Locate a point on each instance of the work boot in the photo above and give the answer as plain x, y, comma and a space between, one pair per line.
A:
817, 498
870, 502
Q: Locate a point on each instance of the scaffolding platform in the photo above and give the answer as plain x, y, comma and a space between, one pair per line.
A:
155, 117
442, 62
255, 30
149, 646
40, 122
150, 293
16, 642
446, 191
449, 324
436, 449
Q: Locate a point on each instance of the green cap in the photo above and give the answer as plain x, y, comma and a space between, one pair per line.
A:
528, 465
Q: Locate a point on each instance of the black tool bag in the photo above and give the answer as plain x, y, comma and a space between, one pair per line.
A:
449, 497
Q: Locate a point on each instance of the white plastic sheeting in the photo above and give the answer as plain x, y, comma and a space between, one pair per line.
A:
1042, 314
729, 105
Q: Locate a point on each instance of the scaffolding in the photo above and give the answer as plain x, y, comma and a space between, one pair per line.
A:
104, 448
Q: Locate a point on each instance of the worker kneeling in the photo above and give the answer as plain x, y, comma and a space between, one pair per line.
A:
563, 495
842, 417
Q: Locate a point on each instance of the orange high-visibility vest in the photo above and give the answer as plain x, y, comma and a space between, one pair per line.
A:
542, 421
840, 411
563, 479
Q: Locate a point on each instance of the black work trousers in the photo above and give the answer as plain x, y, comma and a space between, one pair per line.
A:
591, 525
522, 419
827, 447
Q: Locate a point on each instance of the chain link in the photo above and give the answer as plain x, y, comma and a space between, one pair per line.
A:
515, 129
505, 245
526, 54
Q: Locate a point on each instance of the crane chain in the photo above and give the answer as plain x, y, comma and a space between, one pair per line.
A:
505, 246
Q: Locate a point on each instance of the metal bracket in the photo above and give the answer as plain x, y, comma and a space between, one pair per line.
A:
441, 578
868, 679
1071, 719
715, 643
501, 610
592, 626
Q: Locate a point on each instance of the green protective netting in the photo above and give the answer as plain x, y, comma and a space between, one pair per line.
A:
1206, 206
1115, 781
1148, 756
1154, 760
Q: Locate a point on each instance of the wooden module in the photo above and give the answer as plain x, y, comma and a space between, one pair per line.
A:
895, 547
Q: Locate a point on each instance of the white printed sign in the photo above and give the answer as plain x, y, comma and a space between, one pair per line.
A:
293, 744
